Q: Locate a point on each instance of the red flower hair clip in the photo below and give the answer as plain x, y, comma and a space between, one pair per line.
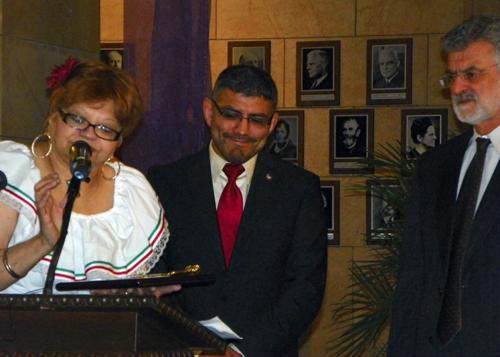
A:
60, 73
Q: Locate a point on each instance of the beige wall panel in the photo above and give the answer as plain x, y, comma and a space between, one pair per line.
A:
316, 140
387, 125
278, 69
353, 72
394, 17
437, 66
420, 69
25, 105
218, 58
486, 7
111, 20
246, 19
65, 23
339, 262
213, 20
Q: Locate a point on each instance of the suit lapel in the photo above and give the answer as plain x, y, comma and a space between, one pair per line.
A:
487, 214
200, 179
447, 181
264, 180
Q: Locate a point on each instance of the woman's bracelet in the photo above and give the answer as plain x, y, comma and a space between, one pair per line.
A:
8, 267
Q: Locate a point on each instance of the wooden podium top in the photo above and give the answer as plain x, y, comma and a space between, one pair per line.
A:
100, 325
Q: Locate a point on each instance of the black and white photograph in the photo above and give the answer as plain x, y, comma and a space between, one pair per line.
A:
112, 54
331, 200
351, 137
251, 53
423, 129
286, 141
380, 216
318, 73
389, 78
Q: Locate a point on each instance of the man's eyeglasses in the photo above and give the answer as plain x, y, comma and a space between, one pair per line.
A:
228, 114
469, 76
81, 124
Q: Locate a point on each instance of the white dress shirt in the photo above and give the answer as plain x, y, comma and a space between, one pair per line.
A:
491, 161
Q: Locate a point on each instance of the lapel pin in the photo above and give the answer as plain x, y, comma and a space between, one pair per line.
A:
269, 177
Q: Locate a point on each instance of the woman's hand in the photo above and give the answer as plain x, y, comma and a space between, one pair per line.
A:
49, 211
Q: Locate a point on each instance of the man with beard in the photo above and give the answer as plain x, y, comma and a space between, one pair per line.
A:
283, 146
271, 268
352, 144
447, 299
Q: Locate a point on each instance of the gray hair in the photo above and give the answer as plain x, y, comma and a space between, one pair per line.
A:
320, 55
477, 28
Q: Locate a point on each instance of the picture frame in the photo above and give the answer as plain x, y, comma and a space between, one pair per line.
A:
113, 54
389, 71
423, 129
330, 190
351, 138
379, 214
256, 53
287, 139
318, 73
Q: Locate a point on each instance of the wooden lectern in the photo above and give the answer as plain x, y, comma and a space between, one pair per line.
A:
100, 325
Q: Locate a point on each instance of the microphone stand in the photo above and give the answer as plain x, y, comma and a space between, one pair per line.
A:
73, 192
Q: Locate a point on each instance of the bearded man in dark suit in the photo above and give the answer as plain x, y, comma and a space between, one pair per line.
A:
448, 290
270, 289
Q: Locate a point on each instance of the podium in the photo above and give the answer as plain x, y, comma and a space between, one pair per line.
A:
100, 325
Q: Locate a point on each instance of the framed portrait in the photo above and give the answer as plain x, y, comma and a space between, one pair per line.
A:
287, 139
253, 53
389, 71
423, 129
318, 73
380, 215
331, 201
351, 138
113, 54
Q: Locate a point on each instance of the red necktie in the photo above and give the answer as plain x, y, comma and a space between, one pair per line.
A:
230, 210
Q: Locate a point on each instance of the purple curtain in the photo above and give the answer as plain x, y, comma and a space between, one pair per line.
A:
167, 47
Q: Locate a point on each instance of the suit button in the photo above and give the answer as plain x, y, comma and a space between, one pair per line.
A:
431, 339
440, 292
223, 298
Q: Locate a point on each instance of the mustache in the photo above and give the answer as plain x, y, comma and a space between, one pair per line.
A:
244, 138
465, 96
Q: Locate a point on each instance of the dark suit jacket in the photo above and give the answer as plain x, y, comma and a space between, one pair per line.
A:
424, 262
273, 288
397, 82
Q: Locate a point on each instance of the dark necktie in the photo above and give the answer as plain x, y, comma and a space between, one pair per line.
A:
450, 318
230, 210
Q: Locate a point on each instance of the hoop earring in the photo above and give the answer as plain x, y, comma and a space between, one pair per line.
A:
108, 163
33, 146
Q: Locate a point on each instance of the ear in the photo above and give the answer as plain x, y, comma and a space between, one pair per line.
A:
274, 121
208, 111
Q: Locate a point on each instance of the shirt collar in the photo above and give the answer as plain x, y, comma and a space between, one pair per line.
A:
217, 163
494, 136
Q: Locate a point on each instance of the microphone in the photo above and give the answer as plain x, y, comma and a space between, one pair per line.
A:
79, 160
3, 181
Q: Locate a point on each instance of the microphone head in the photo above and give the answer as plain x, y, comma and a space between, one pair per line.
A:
3, 181
79, 163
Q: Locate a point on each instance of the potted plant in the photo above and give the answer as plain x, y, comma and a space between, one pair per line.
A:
363, 316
